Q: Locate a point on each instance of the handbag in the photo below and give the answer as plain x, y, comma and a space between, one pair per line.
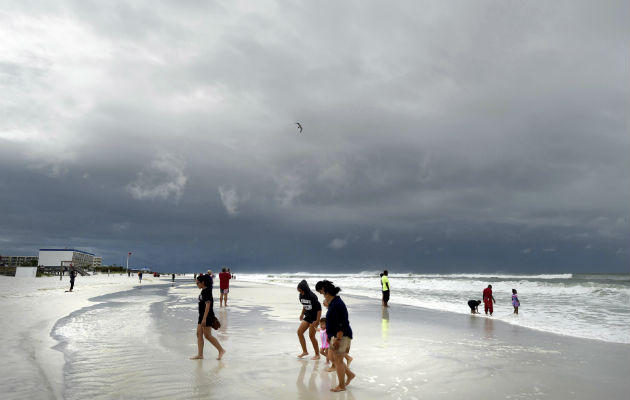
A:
215, 323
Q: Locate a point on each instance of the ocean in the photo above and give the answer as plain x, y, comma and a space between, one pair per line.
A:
592, 306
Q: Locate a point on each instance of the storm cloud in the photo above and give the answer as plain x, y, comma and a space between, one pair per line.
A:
437, 136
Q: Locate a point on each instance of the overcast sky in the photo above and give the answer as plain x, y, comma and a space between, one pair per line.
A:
458, 136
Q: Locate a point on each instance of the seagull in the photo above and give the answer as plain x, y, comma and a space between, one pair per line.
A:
299, 126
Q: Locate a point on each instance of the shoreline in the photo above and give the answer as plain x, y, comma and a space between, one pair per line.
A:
47, 303
552, 313
411, 307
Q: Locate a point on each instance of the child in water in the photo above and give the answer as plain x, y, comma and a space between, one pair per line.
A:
515, 303
474, 306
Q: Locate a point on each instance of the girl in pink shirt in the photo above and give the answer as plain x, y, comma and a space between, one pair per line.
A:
322, 331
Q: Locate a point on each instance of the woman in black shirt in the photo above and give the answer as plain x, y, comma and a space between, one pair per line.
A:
310, 315
206, 316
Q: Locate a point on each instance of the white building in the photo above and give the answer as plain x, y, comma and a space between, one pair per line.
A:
98, 262
57, 257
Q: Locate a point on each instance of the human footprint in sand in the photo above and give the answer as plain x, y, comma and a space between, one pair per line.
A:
339, 334
309, 317
206, 316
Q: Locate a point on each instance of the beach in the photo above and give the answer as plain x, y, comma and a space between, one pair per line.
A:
115, 339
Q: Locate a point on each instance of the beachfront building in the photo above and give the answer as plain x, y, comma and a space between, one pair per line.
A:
97, 262
63, 257
18, 260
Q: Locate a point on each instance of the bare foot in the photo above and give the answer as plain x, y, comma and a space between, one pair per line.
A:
302, 355
349, 360
315, 357
197, 358
350, 377
331, 369
222, 352
338, 389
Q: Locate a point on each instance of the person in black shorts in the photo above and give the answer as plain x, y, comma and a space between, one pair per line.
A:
206, 316
309, 317
474, 304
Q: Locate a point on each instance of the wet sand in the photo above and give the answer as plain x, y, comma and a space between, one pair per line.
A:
401, 352
406, 352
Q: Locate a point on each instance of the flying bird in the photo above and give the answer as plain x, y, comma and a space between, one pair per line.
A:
299, 126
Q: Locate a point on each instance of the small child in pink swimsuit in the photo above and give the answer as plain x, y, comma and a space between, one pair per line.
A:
322, 331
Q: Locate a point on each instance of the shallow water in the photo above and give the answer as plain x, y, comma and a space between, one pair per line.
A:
106, 347
136, 345
593, 306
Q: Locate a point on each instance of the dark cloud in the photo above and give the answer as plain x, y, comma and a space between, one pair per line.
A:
459, 136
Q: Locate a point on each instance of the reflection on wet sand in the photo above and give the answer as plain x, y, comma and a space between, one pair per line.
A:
385, 323
305, 391
205, 380
488, 328
223, 318
488, 325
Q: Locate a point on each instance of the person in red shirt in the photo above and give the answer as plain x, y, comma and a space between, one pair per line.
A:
488, 299
224, 286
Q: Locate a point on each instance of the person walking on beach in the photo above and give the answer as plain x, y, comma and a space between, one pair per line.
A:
309, 317
474, 306
140, 276
206, 316
173, 277
488, 300
339, 334
324, 337
73, 274
515, 303
224, 286
385, 283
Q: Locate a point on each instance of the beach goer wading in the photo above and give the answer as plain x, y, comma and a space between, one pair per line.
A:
474, 306
339, 334
206, 316
385, 283
488, 300
224, 286
309, 317
515, 303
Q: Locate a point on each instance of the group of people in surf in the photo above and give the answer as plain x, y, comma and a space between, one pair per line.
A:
489, 301
335, 330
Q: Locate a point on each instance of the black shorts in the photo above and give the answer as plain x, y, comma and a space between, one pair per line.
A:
385, 296
209, 319
309, 318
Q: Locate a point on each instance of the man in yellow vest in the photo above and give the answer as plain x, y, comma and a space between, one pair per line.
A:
385, 283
